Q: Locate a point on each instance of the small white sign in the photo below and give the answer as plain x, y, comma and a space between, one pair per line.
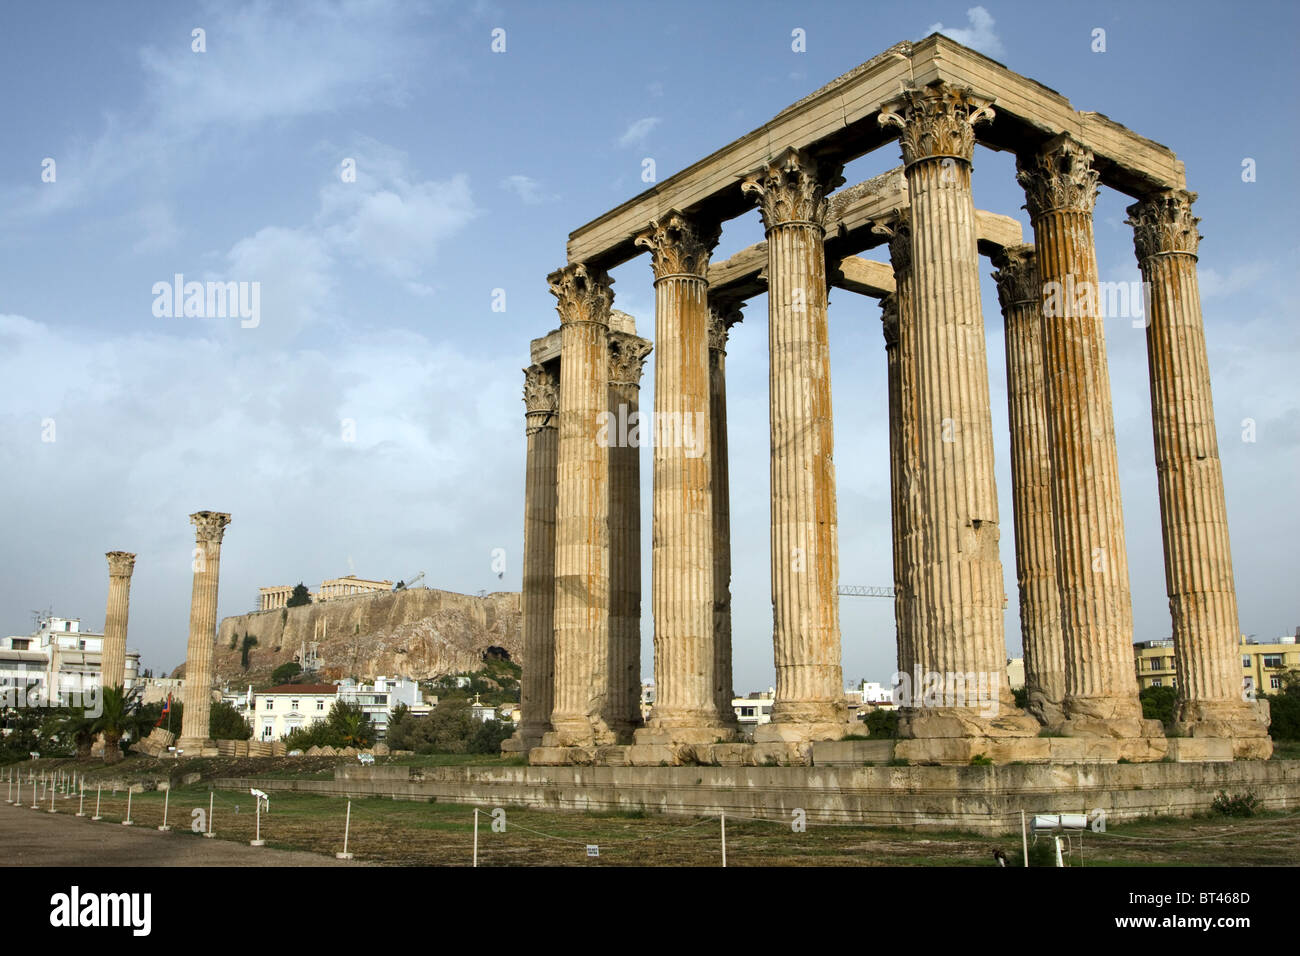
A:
593, 850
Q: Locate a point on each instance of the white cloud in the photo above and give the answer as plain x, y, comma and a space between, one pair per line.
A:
638, 131
527, 189
1214, 283
978, 36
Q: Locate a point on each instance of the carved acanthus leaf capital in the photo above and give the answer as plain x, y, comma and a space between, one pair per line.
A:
937, 121
627, 355
583, 294
898, 229
1164, 223
678, 245
541, 394
723, 314
889, 319
1060, 176
120, 564
210, 526
1016, 276
793, 188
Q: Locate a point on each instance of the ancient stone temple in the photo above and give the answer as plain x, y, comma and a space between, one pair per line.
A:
933, 101
120, 566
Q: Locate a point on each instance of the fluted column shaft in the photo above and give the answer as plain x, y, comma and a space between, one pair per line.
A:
791, 193
210, 529
1193, 509
956, 584
582, 511
537, 686
685, 708
113, 659
1019, 292
627, 355
1091, 555
721, 317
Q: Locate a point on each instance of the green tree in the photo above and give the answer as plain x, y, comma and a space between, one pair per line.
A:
73, 726
249, 643
300, 596
1284, 707
351, 725
1158, 703
118, 716
487, 738
882, 723
226, 723
285, 672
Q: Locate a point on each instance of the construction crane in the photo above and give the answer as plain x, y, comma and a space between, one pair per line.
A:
403, 585
862, 590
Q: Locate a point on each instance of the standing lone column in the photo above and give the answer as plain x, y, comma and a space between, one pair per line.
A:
1193, 511
210, 528
685, 709
1031, 484
1091, 556
791, 195
113, 666
627, 355
956, 590
722, 316
582, 511
537, 687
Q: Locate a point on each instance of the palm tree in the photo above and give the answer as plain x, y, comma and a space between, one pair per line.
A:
117, 716
75, 726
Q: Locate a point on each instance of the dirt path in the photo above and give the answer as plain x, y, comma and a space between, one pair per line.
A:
36, 838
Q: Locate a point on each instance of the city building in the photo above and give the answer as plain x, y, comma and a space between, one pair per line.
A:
754, 709
60, 657
278, 711
1262, 663
379, 699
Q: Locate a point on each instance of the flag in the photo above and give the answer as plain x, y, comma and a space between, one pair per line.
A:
166, 709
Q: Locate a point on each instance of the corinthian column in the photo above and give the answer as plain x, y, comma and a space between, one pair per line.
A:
956, 587
627, 354
1193, 512
537, 686
1031, 483
791, 194
113, 659
685, 709
1091, 557
722, 316
582, 511
210, 527
903, 462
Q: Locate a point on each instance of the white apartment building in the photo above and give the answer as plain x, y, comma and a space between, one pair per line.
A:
378, 700
754, 709
60, 657
278, 711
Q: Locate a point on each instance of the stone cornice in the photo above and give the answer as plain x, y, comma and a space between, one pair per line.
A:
627, 355
582, 294
541, 395
678, 245
937, 121
120, 564
1164, 223
1060, 177
1016, 276
210, 525
793, 188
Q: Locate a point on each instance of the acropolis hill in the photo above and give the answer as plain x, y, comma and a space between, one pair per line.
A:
418, 633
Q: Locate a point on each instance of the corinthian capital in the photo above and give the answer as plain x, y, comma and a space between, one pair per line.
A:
1017, 276
1164, 223
120, 564
1060, 176
583, 294
898, 229
541, 395
937, 121
210, 525
792, 188
889, 319
678, 245
627, 355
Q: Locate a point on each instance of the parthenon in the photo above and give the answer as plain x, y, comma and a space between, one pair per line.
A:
582, 557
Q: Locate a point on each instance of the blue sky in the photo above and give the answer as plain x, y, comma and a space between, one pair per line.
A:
472, 167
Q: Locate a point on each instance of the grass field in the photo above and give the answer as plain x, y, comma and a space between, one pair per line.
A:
392, 832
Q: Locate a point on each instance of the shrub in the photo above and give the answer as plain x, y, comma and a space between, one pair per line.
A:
1238, 805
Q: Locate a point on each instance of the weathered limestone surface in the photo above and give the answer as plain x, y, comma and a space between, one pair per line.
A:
582, 511
685, 709
1193, 510
791, 194
1091, 557
210, 527
1020, 294
956, 587
537, 681
722, 315
627, 355
120, 566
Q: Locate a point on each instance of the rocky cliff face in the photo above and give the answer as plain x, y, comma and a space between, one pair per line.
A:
419, 633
